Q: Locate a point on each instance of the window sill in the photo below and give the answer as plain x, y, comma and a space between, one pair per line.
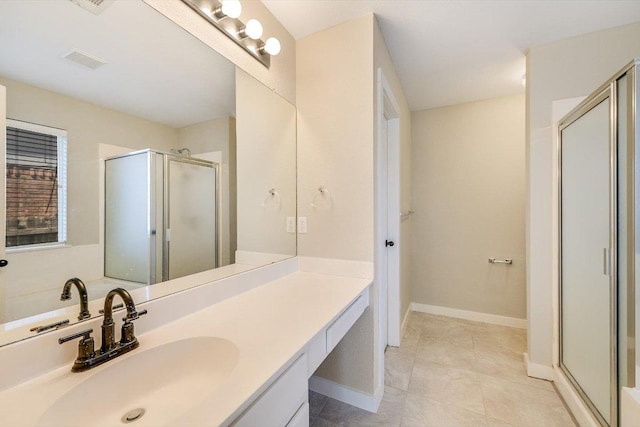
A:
36, 248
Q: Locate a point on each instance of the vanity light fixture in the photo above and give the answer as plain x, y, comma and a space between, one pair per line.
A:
271, 46
224, 14
230, 8
253, 29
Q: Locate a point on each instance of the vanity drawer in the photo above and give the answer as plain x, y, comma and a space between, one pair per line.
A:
316, 351
345, 321
280, 403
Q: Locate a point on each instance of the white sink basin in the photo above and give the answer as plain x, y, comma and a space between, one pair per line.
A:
165, 382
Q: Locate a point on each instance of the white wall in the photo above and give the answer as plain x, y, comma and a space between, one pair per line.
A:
565, 69
469, 198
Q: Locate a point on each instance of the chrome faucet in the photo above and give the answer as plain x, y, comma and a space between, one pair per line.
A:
87, 357
82, 291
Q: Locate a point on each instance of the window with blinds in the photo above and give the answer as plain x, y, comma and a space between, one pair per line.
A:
35, 185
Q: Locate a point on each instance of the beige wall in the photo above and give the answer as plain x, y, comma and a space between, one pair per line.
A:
87, 125
266, 152
469, 198
566, 69
335, 149
280, 77
218, 135
335, 140
337, 126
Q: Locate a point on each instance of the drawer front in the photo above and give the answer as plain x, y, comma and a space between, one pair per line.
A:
301, 418
276, 406
316, 352
345, 321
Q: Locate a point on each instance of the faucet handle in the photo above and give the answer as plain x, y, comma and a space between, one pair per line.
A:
135, 316
85, 346
86, 334
127, 335
114, 308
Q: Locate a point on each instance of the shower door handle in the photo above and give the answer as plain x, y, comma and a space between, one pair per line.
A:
605, 262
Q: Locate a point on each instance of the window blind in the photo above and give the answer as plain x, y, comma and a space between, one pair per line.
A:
31, 188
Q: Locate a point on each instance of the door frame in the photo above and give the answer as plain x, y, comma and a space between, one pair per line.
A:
607, 92
3, 176
387, 227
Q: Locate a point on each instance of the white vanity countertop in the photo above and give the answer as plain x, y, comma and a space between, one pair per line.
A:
270, 325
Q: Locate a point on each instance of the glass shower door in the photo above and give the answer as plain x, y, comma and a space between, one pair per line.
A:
586, 270
191, 217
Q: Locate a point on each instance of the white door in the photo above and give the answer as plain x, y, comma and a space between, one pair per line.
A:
392, 242
383, 269
587, 276
387, 234
3, 135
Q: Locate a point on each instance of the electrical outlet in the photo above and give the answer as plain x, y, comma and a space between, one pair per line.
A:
291, 224
302, 224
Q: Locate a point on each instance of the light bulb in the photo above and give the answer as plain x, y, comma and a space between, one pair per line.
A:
272, 46
253, 29
231, 8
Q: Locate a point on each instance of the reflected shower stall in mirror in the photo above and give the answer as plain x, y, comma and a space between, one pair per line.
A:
102, 87
160, 217
597, 197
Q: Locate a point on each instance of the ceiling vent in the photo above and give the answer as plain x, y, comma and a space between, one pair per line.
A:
94, 6
84, 59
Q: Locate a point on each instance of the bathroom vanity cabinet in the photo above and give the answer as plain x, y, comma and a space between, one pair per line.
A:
285, 401
247, 345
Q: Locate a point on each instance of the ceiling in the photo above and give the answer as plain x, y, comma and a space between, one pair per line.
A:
155, 69
449, 52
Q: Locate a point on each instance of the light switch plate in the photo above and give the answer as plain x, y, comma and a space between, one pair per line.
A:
291, 224
302, 224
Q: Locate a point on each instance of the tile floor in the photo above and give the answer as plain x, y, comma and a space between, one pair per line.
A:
453, 373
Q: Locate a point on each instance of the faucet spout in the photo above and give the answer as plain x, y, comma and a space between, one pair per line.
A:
108, 334
82, 291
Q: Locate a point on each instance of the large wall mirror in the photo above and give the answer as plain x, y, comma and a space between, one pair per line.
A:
135, 155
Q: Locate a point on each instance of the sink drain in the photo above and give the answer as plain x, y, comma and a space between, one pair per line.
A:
132, 415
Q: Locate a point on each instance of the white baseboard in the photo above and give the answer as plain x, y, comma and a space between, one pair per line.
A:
403, 327
577, 407
470, 315
630, 407
537, 370
347, 395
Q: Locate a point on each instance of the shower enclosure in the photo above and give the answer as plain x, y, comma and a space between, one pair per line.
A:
160, 216
597, 237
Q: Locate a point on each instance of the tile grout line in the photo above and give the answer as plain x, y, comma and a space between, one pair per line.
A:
321, 408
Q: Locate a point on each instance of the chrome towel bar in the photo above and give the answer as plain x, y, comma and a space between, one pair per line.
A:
500, 261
